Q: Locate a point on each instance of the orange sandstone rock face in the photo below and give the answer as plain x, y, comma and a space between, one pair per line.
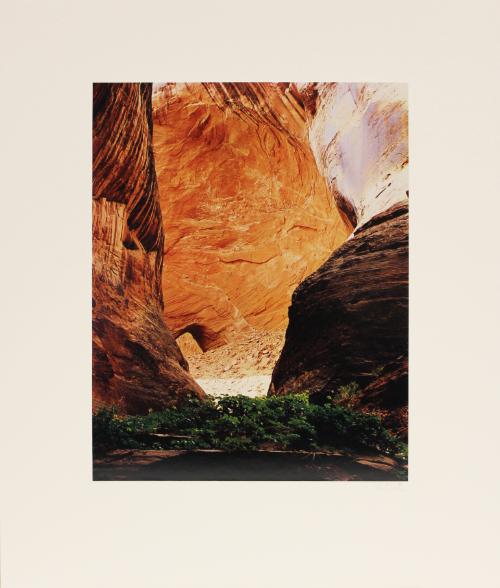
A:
137, 364
246, 213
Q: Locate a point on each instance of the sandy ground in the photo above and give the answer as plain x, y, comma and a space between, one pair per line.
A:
239, 367
248, 385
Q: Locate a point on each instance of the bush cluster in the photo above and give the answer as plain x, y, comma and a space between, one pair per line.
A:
240, 423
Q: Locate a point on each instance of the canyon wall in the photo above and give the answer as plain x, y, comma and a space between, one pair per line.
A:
258, 185
137, 364
246, 213
348, 321
359, 136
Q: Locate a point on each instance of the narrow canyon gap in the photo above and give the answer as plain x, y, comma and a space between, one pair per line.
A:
258, 185
246, 215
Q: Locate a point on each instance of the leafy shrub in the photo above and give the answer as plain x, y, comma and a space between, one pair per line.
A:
241, 423
111, 431
346, 395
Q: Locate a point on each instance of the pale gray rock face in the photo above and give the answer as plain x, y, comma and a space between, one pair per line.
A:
359, 136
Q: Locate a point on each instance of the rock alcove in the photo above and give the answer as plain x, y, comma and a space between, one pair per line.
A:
254, 210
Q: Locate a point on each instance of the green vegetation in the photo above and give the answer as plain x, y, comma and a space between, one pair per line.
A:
240, 423
347, 395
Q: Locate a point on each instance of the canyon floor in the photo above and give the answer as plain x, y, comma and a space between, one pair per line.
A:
255, 466
239, 367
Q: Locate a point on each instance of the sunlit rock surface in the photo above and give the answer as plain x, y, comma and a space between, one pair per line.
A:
246, 212
136, 363
359, 135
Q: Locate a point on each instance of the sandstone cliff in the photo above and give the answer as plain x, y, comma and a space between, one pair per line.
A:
246, 213
349, 319
136, 363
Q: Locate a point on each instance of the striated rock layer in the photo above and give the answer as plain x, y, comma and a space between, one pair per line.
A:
348, 321
137, 364
246, 213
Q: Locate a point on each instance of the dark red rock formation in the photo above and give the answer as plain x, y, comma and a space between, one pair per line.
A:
136, 363
349, 320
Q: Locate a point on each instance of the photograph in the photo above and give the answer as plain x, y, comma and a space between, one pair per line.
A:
235, 356
250, 281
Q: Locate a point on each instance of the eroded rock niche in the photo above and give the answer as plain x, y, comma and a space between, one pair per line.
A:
259, 186
247, 215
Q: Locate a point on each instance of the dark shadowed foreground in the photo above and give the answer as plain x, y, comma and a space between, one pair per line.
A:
213, 465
